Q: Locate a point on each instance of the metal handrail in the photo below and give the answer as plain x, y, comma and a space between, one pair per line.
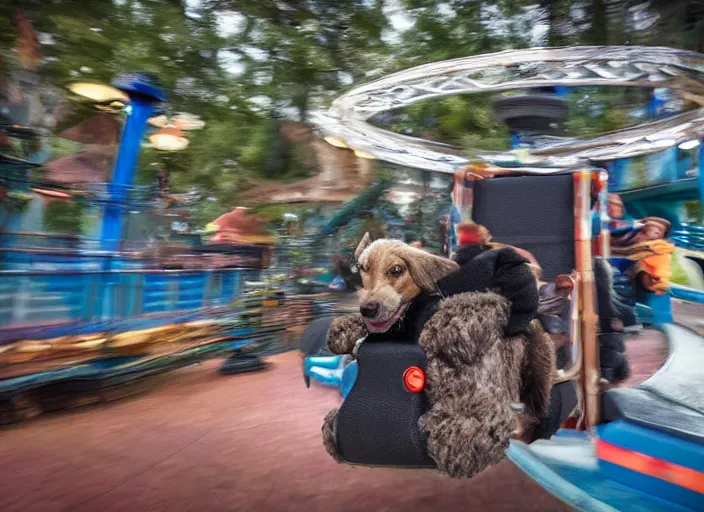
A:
29, 297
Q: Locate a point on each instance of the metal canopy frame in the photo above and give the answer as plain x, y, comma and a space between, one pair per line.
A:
630, 66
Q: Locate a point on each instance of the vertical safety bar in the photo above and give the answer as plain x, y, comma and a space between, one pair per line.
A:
604, 235
589, 381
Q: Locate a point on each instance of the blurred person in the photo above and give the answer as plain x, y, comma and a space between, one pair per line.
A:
652, 253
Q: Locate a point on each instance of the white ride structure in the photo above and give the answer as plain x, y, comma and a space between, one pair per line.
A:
346, 122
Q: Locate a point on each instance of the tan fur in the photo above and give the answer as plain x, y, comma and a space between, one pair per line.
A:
420, 271
363, 244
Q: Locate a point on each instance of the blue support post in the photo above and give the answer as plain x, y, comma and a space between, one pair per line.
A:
515, 140
144, 95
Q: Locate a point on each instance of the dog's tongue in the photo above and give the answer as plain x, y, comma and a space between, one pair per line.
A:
383, 326
380, 326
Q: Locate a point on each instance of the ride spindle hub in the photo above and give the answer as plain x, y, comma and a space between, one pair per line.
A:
534, 114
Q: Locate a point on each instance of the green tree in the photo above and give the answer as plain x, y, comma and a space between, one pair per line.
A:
298, 54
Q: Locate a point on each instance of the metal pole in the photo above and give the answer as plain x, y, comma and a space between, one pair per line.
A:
139, 111
144, 95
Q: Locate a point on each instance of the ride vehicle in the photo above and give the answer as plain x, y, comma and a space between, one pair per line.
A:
638, 448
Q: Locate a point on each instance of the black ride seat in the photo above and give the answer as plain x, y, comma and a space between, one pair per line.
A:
535, 213
672, 400
377, 424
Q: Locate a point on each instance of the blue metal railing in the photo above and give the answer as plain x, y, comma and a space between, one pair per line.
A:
689, 237
31, 298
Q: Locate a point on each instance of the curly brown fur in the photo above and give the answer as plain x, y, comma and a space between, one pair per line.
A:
473, 379
344, 333
329, 435
538, 369
458, 333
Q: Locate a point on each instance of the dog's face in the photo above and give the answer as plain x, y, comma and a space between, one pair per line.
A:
393, 274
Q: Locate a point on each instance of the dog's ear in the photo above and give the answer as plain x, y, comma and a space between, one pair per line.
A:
366, 242
426, 268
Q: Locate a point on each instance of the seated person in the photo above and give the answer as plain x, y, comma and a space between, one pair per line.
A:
345, 278
554, 300
650, 252
620, 223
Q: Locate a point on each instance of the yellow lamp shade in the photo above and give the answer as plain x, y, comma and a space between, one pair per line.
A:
186, 121
337, 142
363, 154
99, 93
168, 139
160, 121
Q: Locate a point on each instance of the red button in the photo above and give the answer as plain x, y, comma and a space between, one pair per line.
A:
414, 379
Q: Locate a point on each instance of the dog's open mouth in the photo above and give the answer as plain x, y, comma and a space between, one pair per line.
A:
384, 326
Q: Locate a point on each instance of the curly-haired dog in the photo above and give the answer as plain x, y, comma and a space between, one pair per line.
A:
478, 364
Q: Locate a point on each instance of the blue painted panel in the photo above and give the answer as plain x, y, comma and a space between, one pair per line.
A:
656, 444
61, 298
661, 306
566, 466
653, 487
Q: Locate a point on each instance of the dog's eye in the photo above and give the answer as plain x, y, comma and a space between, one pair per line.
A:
396, 271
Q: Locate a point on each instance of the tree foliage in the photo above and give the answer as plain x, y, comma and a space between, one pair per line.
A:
243, 66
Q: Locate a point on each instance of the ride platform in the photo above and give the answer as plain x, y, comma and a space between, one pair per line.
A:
649, 456
201, 441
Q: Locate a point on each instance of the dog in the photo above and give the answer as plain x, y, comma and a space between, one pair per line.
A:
474, 321
394, 275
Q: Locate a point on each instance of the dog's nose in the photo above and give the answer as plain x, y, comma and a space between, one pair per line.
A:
369, 309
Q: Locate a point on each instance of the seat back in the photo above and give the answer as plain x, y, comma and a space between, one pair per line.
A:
550, 216
535, 213
377, 424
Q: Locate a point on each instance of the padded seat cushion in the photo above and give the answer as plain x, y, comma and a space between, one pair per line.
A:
377, 424
535, 213
672, 400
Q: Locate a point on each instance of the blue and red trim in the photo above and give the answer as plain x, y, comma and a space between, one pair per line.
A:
652, 462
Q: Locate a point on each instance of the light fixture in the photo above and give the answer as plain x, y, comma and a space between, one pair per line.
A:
363, 154
182, 121
336, 142
186, 121
57, 194
159, 121
99, 93
168, 139
689, 144
112, 107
